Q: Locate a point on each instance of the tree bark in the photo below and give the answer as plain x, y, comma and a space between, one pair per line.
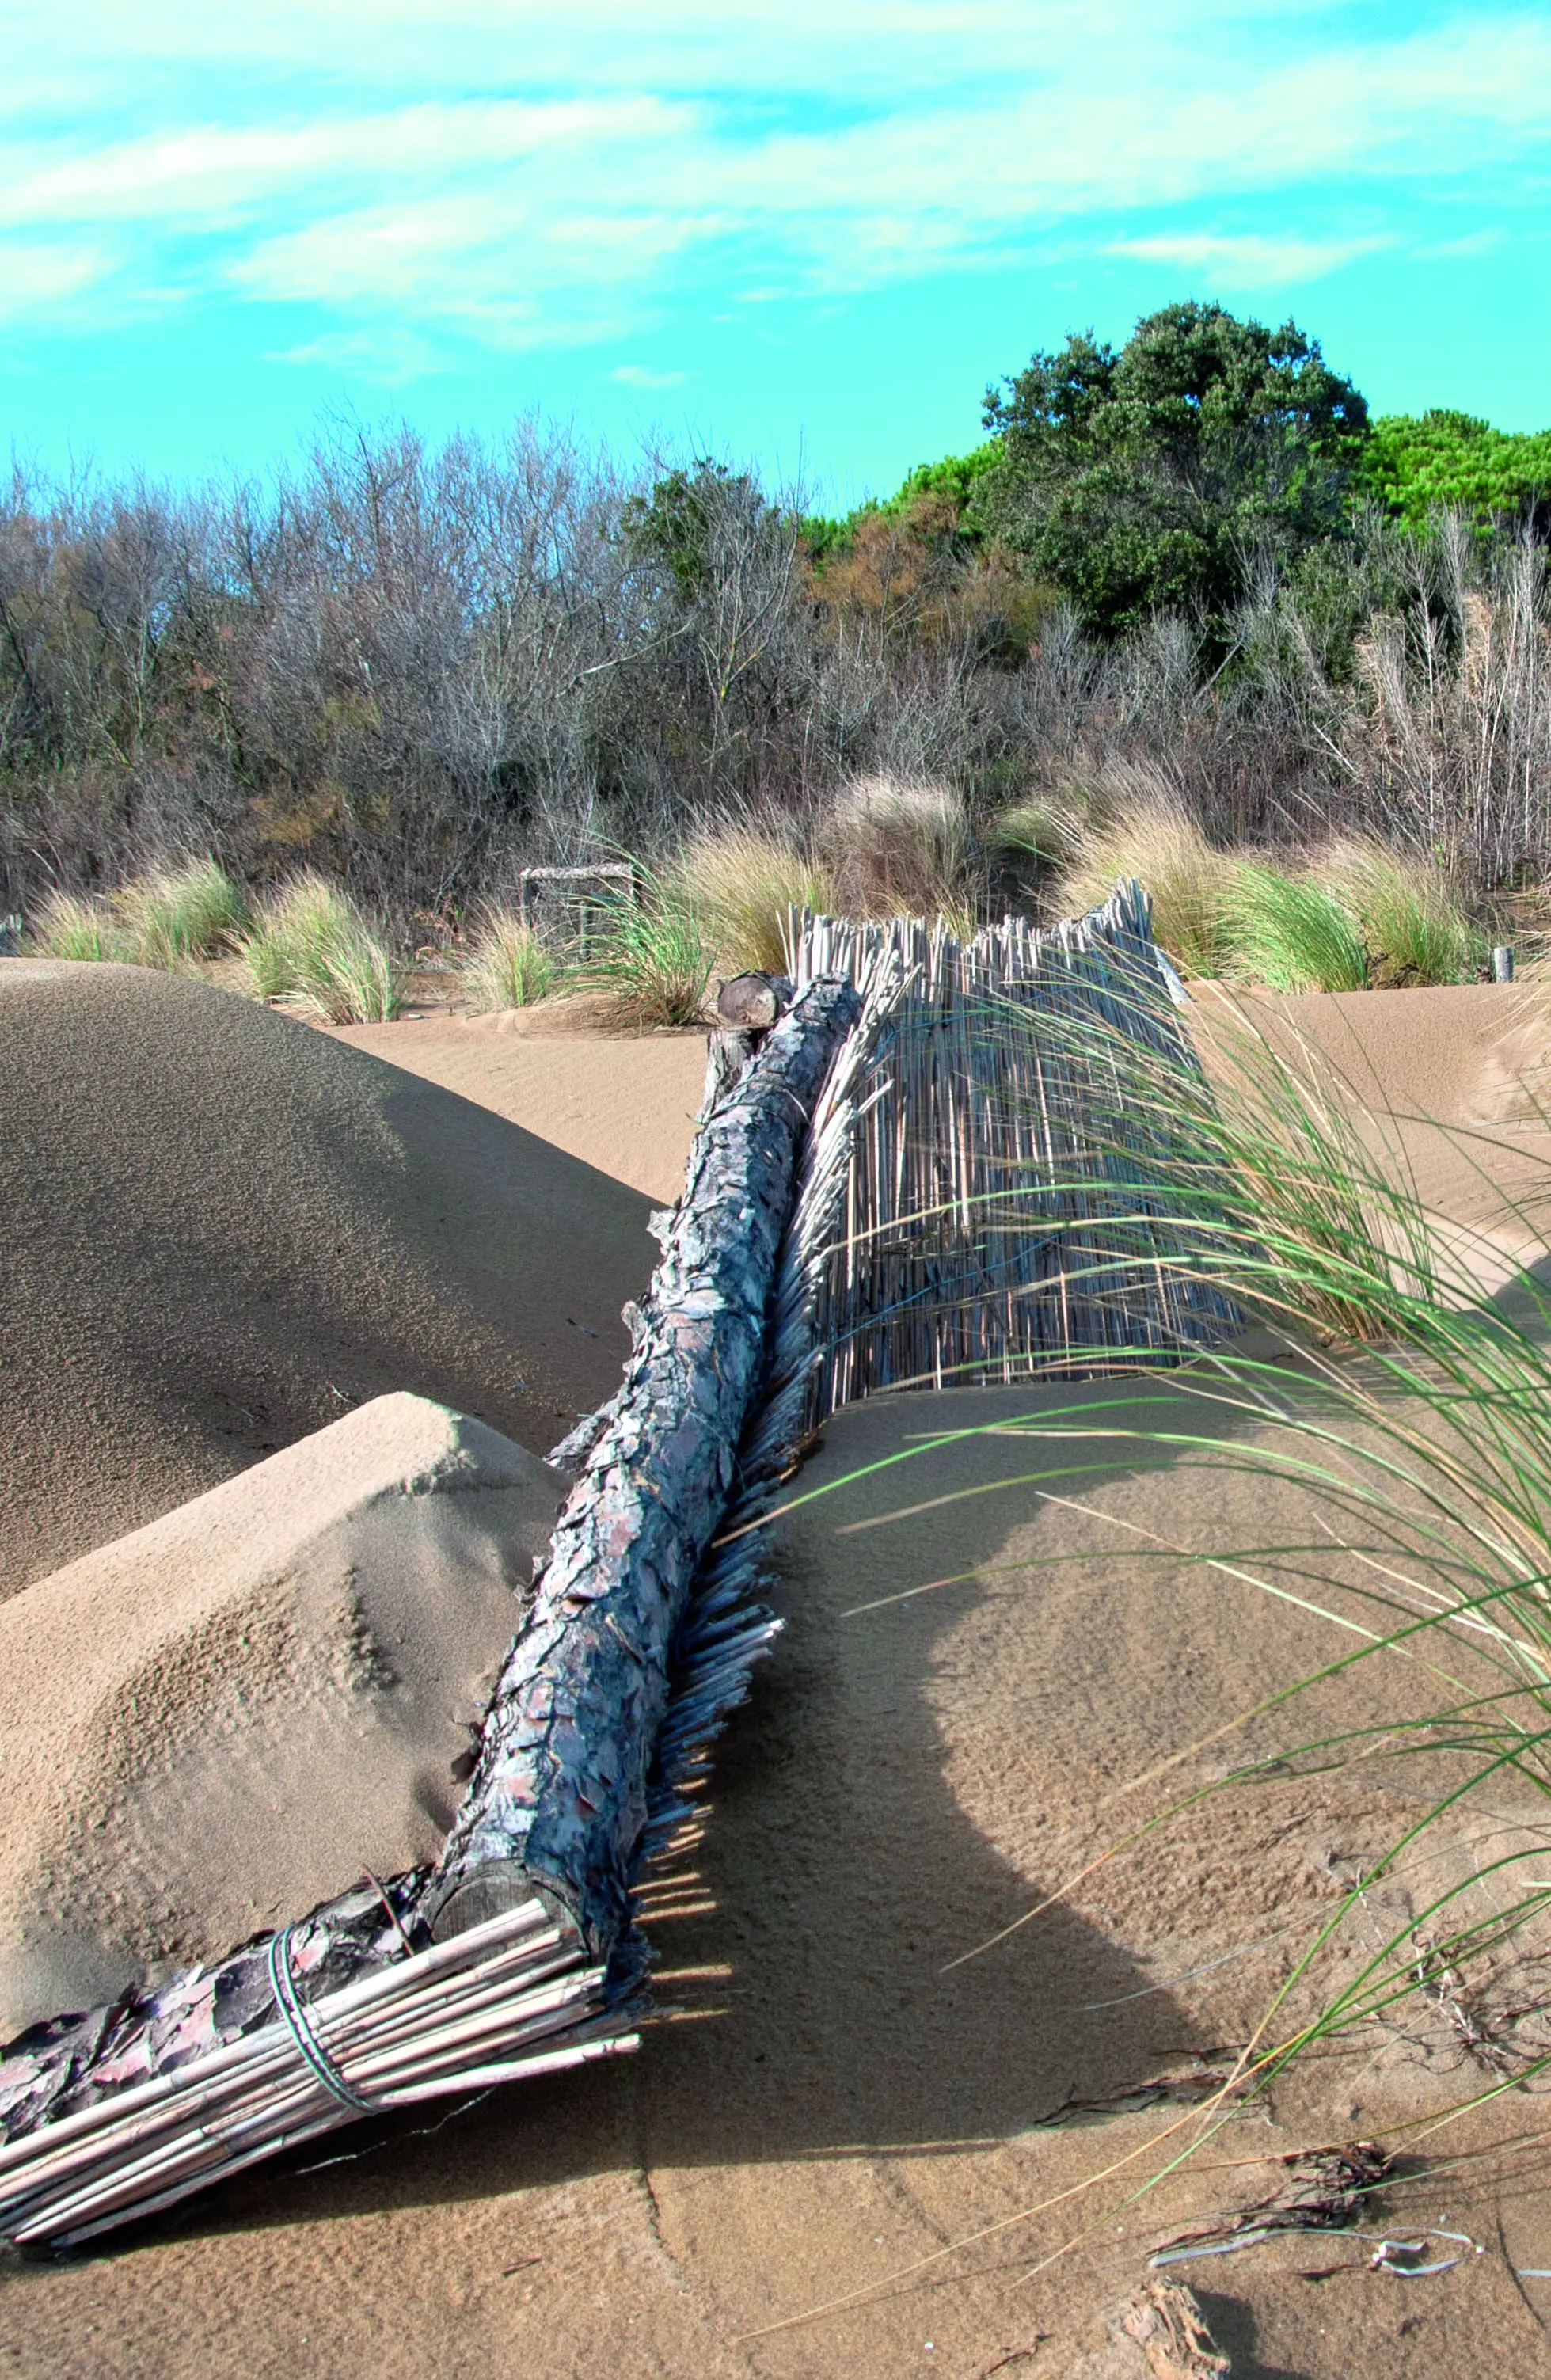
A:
559, 1798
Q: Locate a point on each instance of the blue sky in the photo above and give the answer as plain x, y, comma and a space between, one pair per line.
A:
806, 231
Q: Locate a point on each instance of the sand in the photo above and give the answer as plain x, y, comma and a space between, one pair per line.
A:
624, 1103
222, 1231
829, 2104
213, 1724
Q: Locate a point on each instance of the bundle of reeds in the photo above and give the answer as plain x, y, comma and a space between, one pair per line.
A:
499, 2002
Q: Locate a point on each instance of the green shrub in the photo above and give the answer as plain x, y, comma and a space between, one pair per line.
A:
309, 943
506, 963
1415, 930
742, 882
172, 915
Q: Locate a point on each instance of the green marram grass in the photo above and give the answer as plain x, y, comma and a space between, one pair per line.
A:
506, 963
1415, 1409
649, 957
167, 916
170, 916
70, 927
1291, 934
310, 944
1417, 933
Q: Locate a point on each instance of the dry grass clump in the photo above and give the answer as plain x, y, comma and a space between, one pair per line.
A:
507, 965
899, 850
1191, 884
742, 880
309, 943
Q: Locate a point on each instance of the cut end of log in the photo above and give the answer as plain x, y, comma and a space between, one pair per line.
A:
753, 1002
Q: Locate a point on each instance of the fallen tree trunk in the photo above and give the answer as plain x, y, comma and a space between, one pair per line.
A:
559, 1798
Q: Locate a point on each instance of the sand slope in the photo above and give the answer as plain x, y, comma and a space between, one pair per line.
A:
222, 1230
219, 1720
834, 2103
626, 1103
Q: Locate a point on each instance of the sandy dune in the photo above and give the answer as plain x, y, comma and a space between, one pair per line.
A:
222, 1230
833, 2104
219, 1720
625, 1104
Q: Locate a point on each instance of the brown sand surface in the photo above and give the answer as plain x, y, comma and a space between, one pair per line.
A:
833, 2102
219, 1720
626, 1103
1458, 1075
222, 1229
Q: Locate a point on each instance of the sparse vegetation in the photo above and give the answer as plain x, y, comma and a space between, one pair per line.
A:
507, 965
309, 943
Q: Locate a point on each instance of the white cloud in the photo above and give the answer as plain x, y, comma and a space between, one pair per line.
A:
637, 376
41, 281
824, 145
1251, 260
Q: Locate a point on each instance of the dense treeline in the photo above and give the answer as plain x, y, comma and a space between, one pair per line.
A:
1191, 569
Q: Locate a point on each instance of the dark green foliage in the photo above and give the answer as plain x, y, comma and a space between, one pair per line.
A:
679, 524
1418, 465
1145, 481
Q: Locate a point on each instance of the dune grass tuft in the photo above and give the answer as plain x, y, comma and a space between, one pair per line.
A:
309, 943
1045, 828
168, 915
742, 880
70, 927
651, 958
1189, 882
1415, 929
506, 965
898, 849
1289, 934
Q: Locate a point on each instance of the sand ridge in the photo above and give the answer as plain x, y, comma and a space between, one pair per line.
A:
222, 1230
219, 1720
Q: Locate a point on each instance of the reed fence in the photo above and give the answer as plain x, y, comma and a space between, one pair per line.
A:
986, 1229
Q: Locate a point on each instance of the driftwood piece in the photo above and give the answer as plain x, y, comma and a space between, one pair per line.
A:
559, 1798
